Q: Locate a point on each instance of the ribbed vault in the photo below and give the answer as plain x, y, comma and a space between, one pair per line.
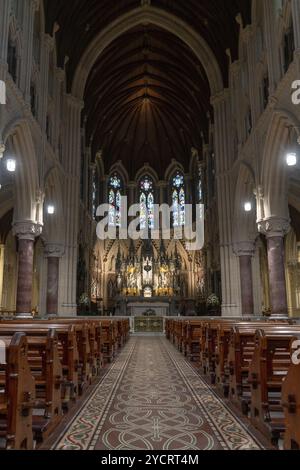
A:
147, 96
151, 102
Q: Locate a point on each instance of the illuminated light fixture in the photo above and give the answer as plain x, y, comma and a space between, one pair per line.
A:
248, 207
291, 159
51, 209
11, 165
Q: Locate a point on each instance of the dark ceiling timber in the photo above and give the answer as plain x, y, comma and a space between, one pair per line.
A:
151, 102
147, 97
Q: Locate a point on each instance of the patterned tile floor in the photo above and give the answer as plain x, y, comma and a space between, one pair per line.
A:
153, 399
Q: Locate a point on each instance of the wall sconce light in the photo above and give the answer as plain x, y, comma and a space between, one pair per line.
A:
291, 159
248, 206
11, 165
51, 209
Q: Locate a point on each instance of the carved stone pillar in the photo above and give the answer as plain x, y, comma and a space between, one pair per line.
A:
30, 6
270, 40
275, 230
245, 252
53, 253
26, 233
224, 152
4, 29
68, 282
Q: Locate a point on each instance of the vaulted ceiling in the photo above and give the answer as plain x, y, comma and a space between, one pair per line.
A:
151, 102
147, 97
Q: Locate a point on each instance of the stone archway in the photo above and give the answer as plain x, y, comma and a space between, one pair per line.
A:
148, 14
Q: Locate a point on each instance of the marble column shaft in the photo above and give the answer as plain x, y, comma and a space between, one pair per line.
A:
246, 285
275, 229
277, 276
26, 233
25, 277
52, 285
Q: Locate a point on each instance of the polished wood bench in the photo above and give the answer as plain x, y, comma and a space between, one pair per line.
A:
268, 369
68, 352
17, 394
44, 360
291, 403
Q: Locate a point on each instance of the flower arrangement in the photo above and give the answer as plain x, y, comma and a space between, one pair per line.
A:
212, 301
84, 299
266, 311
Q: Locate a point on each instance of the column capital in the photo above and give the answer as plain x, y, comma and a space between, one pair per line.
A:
274, 227
220, 97
60, 74
48, 41
248, 32
75, 102
244, 248
54, 250
27, 230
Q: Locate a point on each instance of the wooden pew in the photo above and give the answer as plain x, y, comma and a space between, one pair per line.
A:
88, 333
45, 366
168, 327
17, 393
240, 354
213, 355
217, 346
84, 359
291, 404
269, 367
108, 341
68, 352
193, 335
60, 355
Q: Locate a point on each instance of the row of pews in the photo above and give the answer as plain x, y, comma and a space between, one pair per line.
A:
45, 366
250, 361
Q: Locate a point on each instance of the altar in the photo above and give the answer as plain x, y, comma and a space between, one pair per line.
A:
147, 308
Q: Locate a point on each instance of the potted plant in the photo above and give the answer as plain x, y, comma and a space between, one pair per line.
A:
213, 305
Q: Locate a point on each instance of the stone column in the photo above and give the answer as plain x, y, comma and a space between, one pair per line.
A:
275, 230
253, 84
245, 252
224, 150
270, 40
68, 283
4, 29
53, 253
30, 6
26, 233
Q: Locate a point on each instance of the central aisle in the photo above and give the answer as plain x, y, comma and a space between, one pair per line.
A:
153, 399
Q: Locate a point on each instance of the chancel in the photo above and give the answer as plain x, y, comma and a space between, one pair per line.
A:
125, 126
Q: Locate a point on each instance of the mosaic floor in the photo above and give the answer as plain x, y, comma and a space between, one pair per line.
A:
153, 399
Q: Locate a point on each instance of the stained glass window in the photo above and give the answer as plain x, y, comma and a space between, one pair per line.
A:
146, 203
178, 200
94, 197
114, 200
200, 184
